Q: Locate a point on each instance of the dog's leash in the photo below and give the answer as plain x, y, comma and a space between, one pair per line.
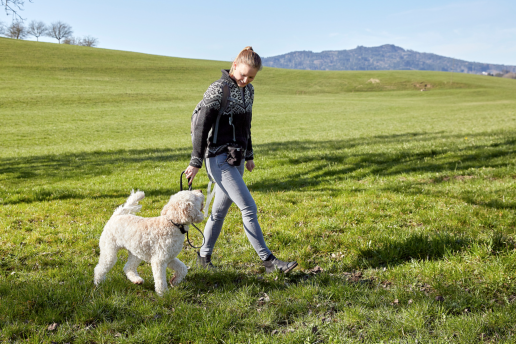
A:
182, 227
181, 182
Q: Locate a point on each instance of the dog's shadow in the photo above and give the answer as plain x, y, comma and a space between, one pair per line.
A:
203, 280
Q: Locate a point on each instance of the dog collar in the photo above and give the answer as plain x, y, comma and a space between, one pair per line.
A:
181, 227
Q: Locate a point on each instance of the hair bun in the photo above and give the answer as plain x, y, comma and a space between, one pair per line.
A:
249, 57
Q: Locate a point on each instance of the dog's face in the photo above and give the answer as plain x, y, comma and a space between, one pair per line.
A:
185, 207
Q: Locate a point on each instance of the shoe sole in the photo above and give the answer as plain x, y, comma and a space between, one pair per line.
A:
291, 268
284, 271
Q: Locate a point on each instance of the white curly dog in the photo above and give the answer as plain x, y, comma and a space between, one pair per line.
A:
156, 240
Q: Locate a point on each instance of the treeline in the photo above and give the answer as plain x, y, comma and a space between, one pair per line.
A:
58, 30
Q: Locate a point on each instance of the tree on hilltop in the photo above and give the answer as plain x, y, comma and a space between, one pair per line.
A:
72, 40
13, 6
2, 29
59, 30
89, 41
17, 31
37, 29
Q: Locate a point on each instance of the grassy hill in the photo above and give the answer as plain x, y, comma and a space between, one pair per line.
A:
44, 83
404, 199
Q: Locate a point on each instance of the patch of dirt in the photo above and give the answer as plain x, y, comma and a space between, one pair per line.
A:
423, 86
358, 277
386, 284
447, 178
373, 81
316, 270
463, 177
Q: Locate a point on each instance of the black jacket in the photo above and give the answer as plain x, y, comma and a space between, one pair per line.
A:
240, 104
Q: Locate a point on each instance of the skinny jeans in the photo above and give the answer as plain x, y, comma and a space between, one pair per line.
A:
230, 189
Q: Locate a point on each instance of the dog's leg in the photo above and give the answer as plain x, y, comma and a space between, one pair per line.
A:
180, 271
130, 269
107, 260
159, 271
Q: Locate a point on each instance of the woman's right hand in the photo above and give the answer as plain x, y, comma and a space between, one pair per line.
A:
190, 173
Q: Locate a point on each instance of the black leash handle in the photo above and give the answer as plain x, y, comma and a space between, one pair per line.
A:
190, 189
181, 182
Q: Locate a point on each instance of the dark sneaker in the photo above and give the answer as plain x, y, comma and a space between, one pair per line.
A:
272, 264
205, 262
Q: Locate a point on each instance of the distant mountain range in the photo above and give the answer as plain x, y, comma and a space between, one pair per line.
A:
385, 57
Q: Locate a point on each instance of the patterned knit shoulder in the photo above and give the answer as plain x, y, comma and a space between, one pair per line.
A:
213, 95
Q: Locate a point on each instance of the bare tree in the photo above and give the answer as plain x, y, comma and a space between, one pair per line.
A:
89, 41
17, 30
59, 30
72, 40
37, 29
2, 29
13, 6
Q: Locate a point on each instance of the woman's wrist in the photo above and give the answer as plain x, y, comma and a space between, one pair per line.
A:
196, 162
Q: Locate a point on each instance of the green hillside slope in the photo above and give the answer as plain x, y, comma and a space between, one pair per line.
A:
71, 97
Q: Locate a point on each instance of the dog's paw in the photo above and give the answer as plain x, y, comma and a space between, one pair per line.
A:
175, 281
138, 281
134, 278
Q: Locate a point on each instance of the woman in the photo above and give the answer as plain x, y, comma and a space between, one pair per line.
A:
225, 143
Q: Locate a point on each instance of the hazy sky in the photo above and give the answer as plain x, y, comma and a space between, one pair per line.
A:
480, 31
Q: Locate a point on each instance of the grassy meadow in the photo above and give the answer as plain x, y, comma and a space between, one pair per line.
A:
399, 205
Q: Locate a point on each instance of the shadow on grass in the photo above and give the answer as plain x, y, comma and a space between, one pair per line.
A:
205, 295
468, 196
84, 164
415, 247
327, 162
358, 165
69, 194
421, 247
76, 300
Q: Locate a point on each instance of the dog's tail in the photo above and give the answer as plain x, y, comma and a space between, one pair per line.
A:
131, 206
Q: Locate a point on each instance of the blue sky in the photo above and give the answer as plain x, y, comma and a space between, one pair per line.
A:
480, 31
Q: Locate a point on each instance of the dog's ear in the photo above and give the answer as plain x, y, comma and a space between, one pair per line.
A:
181, 209
190, 213
195, 215
182, 213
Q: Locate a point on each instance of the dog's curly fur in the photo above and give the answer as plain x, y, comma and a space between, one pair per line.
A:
155, 240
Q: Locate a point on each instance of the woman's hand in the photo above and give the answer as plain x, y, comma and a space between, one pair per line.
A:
249, 164
190, 173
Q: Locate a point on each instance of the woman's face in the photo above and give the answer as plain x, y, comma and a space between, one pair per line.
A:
243, 74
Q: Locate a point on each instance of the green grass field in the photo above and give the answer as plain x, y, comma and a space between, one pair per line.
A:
398, 204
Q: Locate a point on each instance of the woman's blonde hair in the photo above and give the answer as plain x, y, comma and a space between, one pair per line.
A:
249, 57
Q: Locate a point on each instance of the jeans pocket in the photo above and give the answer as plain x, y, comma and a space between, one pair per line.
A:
221, 159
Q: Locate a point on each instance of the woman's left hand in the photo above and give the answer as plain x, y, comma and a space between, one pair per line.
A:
249, 164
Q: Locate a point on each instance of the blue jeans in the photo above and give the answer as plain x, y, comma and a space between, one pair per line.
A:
230, 189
